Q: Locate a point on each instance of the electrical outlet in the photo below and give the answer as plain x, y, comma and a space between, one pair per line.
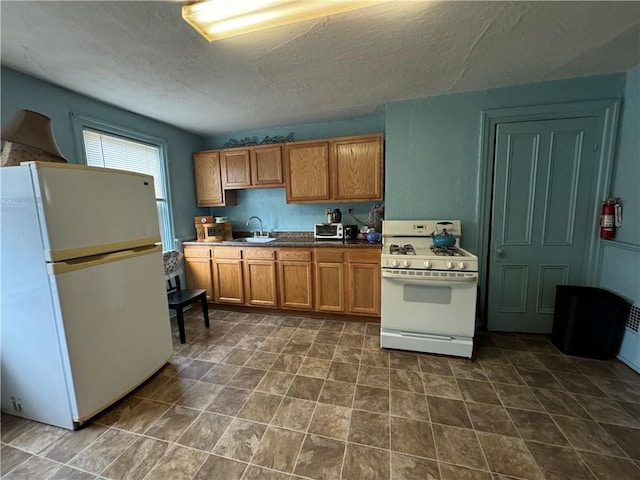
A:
349, 210
16, 403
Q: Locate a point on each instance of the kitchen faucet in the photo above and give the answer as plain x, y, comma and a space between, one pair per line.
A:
254, 232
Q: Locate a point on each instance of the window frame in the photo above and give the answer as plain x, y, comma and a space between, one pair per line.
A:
83, 122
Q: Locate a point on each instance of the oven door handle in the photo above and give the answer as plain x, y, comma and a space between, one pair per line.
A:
422, 280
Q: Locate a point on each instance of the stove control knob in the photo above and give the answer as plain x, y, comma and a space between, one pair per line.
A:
462, 265
427, 264
405, 263
449, 265
394, 263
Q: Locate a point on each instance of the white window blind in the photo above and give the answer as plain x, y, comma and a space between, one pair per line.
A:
109, 151
115, 152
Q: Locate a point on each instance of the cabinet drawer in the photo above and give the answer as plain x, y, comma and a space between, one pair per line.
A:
331, 255
257, 253
360, 256
295, 255
197, 252
227, 252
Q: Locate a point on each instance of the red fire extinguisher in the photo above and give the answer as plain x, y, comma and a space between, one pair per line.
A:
609, 218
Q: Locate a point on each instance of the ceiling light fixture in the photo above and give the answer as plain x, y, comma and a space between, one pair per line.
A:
216, 19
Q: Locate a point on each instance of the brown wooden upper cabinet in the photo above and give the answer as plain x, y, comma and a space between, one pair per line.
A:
339, 169
266, 166
253, 167
207, 172
306, 170
356, 168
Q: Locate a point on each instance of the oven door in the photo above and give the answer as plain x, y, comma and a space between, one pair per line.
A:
428, 302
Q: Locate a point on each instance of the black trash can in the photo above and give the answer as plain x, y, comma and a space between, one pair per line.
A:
588, 322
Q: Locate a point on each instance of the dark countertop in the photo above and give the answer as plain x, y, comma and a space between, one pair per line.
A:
308, 242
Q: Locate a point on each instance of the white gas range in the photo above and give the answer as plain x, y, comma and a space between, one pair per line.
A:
428, 292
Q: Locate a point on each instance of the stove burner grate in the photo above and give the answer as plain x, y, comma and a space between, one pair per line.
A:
395, 249
447, 251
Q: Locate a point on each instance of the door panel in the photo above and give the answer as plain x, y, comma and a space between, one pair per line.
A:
513, 283
561, 191
550, 276
544, 179
519, 178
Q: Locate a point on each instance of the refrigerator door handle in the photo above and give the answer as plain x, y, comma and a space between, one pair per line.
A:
86, 262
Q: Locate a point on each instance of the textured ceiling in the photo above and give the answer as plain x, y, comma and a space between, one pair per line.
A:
141, 56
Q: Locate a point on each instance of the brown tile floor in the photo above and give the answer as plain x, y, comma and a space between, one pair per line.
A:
270, 397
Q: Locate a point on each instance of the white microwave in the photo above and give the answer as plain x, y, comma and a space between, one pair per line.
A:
328, 231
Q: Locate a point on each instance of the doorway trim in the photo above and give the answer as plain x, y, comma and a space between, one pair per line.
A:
606, 112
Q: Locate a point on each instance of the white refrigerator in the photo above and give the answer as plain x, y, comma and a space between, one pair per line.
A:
83, 315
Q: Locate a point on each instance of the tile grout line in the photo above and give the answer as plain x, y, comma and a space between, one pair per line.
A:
433, 434
353, 401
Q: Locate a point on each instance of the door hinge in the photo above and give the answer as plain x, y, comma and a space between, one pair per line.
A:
595, 147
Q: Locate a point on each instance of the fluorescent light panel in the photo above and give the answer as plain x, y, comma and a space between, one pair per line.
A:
216, 19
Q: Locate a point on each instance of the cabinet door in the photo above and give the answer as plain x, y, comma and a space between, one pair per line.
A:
227, 274
306, 168
294, 280
236, 170
198, 273
260, 276
260, 282
227, 278
356, 167
330, 287
266, 166
206, 166
364, 288
329, 279
209, 192
363, 278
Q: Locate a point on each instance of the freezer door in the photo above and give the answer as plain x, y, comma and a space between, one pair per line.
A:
87, 210
114, 317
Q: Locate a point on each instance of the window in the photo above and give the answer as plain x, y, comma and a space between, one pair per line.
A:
133, 152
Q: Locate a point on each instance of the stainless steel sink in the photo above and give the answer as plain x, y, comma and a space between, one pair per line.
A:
255, 239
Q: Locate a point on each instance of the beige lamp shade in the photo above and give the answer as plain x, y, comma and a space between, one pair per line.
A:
28, 136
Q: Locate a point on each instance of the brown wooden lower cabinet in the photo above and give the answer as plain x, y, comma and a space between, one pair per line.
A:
260, 277
329, 290
348, 280
228, 285
197, 264
363, 294
333, 280
295, 279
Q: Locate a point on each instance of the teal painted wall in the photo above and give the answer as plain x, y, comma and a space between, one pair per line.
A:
20, 91
620, 263
433, 146
431, 150
626, 173
270, 204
